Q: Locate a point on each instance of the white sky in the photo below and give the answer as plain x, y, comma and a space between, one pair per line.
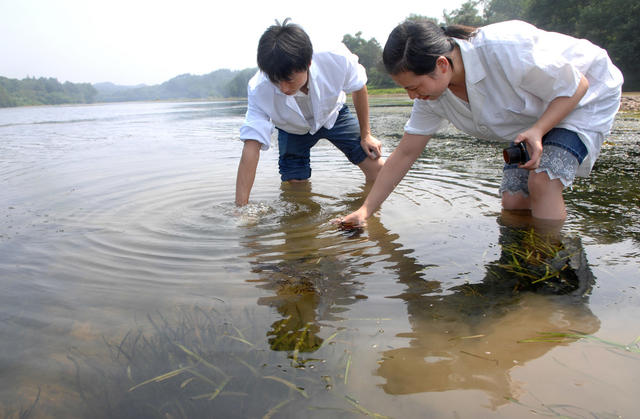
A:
150, 41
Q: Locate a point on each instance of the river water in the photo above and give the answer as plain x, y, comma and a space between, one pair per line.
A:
131, 286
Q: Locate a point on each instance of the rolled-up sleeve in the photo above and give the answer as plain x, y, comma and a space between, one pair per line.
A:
423, 121
257, 126
356, 75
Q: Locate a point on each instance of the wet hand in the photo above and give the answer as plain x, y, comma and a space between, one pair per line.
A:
371, 146
352, 221
533, 142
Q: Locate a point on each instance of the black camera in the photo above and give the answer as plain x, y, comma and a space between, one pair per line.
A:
516, 153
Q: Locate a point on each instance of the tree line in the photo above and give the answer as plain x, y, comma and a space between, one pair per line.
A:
217, 84
611, 24
43, 91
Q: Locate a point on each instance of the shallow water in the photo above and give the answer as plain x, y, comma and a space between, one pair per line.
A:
123, 258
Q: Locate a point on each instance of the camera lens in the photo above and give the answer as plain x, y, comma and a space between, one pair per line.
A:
515, 154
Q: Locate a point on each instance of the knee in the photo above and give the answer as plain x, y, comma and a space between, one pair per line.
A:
541, 185
515, 201
371, 168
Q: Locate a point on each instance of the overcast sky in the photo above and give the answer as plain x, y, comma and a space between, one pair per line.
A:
143, 41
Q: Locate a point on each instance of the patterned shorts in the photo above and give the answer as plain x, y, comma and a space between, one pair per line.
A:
562, 153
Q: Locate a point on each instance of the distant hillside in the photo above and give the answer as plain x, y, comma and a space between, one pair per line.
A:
108, 87
217, 84
43, 91
49, 91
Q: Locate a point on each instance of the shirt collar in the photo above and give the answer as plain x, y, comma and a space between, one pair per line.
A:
473, 69
310, 83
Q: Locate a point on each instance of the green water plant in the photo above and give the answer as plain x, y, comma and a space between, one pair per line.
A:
199, 361
535, 258
531, 261
572, 336
561, 410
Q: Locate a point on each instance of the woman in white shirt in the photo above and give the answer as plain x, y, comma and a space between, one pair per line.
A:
509, 82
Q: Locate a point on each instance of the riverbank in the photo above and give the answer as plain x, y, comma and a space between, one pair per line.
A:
630, 100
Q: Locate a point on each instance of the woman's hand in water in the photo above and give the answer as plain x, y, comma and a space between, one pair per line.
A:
354, 220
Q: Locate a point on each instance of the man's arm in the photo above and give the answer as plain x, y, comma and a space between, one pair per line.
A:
247, 171
369, 143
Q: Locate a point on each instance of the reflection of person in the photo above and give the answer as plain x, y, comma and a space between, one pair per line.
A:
469, 338
303, 94
508, 82
307, 283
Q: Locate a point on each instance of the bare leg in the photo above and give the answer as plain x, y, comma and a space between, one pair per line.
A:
371, 168
515, 201
546, 197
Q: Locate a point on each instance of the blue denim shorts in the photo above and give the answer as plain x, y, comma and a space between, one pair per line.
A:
562, 153
294, 162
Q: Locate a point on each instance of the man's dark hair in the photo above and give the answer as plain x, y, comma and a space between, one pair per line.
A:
284, 49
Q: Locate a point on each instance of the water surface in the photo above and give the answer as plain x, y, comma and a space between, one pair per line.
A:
123, 259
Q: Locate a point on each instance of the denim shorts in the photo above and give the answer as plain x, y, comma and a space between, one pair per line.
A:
294, 162
562, 153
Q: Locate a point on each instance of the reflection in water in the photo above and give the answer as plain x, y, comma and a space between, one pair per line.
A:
311, 283
110, 212
463, 337
467, 338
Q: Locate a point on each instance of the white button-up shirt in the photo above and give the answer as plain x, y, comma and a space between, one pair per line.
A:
332, 74
513, 70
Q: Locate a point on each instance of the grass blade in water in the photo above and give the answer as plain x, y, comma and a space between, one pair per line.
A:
161, 377
288, 384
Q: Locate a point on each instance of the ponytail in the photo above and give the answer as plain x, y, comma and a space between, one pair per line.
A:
415, 45
459, 31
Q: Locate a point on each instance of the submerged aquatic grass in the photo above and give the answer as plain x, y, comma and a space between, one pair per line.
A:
21, 412
535, 258
199, 362
564, 337
543, 263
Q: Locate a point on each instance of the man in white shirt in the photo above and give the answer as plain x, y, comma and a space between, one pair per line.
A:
303, 95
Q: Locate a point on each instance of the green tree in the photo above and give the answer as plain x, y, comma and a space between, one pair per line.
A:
614, 25
415, 17
501, 10
370, 56
237, 87
553, 15
5, 98
43, 91
468, 14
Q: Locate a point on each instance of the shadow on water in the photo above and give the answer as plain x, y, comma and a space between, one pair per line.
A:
465, 337
197, 361
295, 353
470, 336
